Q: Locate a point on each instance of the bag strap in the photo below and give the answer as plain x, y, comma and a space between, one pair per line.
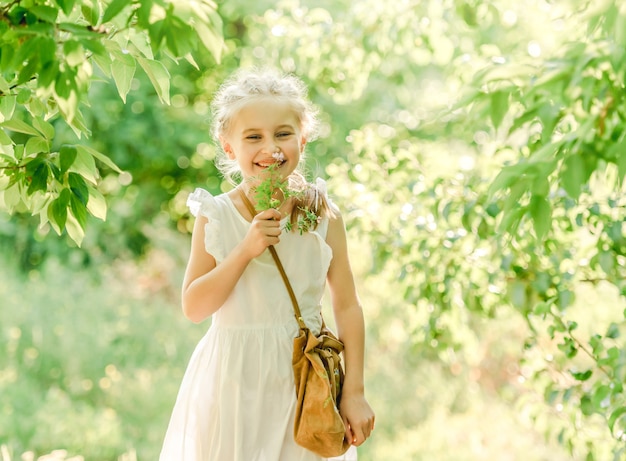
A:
279, 264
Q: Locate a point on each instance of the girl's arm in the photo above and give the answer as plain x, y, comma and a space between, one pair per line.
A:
206, 285
351, 330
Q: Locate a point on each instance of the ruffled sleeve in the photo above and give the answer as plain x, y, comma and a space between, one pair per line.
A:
202, 203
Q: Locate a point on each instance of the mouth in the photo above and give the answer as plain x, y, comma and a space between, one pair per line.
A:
270, 164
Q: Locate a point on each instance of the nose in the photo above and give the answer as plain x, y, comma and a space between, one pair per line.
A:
271, 147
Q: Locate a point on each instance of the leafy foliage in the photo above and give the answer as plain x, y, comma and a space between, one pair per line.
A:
50, 54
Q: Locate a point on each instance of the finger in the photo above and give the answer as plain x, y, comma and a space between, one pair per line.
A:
367, 430
270, 214
359, 437
349, 435
271, 230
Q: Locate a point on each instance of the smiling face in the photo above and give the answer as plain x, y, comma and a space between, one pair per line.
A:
259, 132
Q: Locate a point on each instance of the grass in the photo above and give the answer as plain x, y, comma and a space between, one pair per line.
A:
91, 366
91, 362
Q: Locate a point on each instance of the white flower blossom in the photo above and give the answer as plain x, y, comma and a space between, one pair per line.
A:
278, 156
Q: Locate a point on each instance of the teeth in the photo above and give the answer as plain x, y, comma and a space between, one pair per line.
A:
268, 164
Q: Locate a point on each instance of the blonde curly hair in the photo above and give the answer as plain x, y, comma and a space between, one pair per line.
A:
248, 85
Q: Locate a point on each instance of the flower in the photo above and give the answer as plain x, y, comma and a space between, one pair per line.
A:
278, 156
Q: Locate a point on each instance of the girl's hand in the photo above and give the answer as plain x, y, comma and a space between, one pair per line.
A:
358, 417
264, 231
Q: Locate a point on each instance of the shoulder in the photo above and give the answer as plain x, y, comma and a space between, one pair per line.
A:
336, 234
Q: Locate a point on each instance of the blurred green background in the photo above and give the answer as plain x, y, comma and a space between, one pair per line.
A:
475, 148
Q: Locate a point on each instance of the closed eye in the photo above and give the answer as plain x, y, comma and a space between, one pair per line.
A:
284, 134
253, 137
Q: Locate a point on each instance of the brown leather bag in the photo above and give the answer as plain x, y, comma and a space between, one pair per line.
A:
318, 375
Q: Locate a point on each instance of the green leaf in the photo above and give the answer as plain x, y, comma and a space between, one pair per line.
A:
546, 153
517, 294
19, 127
499, 107
178, 36
211, 41
78, 186
39, 173
123, 73
612, 357
142, 45
104, 63
621, 164
48, 73
540, 185
586, 406
143, 13
582, 376
596, 344
606, 259
79, 210
100, 157
613, 331
67, 155
541, 212
114, 8
7, 107
35, 145
66, 5
29, 70
45, 128
45, 13
7, 59
79, 30
493, 209
615, 415
159, 76
78, 125
85, 165
74, 229
97, 204
74, 53
542, 308
57, 211
568, 347
565, 298
511, 220
600, 395
5, 139
91, 12
11, 197
507, 176
499, 72
95, 46
23, 96
67, 93
156, 34
572, 175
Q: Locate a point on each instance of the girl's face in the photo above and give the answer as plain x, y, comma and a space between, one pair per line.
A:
259, 131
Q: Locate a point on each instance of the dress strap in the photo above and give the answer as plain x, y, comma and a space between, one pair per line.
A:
279, 264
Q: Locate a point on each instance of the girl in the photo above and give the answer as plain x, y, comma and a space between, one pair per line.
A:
237, 398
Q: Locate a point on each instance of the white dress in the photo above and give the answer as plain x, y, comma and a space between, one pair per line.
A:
237, 398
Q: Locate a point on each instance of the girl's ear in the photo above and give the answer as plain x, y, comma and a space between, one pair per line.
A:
226, 147
302, 143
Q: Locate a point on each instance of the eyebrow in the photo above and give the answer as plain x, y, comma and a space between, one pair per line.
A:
280, 127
